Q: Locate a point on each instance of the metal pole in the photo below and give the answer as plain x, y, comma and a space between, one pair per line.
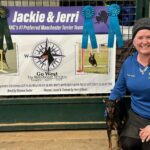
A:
147, 8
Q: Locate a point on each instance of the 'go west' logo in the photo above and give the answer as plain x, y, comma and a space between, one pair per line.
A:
47, 56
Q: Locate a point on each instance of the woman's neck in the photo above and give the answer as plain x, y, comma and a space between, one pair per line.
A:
143, 59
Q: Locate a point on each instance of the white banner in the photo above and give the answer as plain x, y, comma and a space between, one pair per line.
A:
56, 64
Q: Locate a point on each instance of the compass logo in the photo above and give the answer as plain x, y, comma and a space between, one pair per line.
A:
47, 55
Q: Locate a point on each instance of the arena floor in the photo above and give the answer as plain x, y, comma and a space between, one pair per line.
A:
55, 140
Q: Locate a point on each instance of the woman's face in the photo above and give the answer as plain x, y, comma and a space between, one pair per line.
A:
142, 41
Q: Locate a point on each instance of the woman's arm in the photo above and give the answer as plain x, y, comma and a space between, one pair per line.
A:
119, 89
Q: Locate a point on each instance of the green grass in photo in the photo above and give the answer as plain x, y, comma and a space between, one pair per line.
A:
101, 56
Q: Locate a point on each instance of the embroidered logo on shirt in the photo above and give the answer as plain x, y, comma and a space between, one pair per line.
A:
131, 75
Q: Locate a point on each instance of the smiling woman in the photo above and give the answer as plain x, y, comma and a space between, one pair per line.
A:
141, 41
134, 77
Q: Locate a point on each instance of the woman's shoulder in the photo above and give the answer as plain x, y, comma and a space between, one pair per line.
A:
131, 58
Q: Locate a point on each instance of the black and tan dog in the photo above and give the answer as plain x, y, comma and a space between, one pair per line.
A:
116, 117
4, 57
92, 60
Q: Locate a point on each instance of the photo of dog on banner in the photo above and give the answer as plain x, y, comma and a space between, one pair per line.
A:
94, 58
8, 49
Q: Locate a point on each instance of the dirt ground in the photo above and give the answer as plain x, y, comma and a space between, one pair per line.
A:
55, 140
